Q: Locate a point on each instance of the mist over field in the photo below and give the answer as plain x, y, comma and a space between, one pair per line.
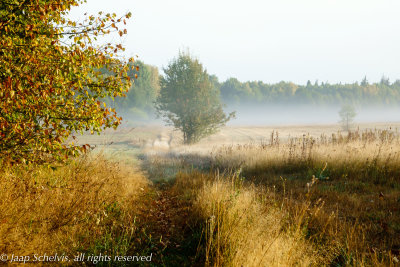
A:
258, 103
285, 114
289, 114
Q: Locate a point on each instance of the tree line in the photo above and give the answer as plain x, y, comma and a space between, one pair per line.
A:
363, 93
140, 99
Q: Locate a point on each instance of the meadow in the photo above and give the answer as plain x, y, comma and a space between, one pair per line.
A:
246, 196
337, 193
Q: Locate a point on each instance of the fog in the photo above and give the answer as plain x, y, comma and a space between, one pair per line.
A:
302, 114
282, 115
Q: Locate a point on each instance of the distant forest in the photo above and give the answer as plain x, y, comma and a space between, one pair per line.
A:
140, 98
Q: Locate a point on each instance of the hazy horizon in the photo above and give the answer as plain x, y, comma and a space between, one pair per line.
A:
288, 115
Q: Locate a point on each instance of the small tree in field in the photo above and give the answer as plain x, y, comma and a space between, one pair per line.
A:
52, 76
188, 101
347, 115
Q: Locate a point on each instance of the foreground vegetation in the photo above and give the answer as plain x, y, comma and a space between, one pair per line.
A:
327, 201
349, 186
333, 200
86, 206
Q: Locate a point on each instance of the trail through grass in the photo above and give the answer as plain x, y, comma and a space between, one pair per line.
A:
172, 240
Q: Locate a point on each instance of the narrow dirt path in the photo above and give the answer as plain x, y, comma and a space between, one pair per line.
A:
166, 216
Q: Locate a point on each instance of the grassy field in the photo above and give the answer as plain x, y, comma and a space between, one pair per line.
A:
349, 186
155, 139
247, 196
85, 207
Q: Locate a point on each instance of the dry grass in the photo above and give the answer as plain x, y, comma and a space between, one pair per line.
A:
319, 200
242, 225
327, 201
85, 206
349, 186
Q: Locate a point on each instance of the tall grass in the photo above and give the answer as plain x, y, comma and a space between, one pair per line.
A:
242, 226
86, 206
349, 185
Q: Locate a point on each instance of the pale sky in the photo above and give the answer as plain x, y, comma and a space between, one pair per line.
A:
266, 40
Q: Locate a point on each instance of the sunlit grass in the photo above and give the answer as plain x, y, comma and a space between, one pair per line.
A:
85, 206
241, 224
307, 201
351, 180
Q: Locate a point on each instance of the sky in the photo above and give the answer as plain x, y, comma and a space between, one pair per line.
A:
266, 40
